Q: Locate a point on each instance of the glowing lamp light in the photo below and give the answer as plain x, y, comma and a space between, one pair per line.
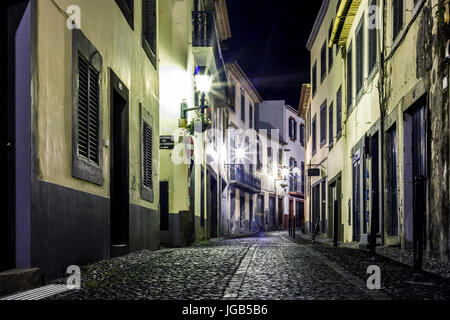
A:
240, 154
203, 80
284, 172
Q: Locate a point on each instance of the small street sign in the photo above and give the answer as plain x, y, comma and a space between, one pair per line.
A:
166, 142
313, 172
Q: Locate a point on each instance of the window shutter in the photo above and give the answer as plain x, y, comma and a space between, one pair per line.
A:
88, 111
339, 111
331, 126
149, 29
147, 163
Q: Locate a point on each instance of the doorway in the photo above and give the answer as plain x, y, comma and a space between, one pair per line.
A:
120, 197
213, 207
242, 210
357, 197
15, 144
273, 219
164, 205
415, 149
280, 213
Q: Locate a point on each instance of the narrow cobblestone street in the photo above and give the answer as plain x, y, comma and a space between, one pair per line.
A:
268, 267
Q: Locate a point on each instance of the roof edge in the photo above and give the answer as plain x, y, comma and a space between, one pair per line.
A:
317, 24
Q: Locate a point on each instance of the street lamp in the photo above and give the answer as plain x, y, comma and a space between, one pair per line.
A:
203, 83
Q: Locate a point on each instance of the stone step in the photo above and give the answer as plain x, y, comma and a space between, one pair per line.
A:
19, 280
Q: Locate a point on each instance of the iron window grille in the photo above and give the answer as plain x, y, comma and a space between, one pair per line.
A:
146, 155
149, 30
323, 62
323, 124
360, 57
331, 125
87, 154
349, 80
397, 18
372, 45
339, 111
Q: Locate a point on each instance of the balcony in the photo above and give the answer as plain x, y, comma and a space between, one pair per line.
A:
203, 29
244, 179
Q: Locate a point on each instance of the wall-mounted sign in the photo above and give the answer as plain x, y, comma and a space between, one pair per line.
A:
166, 142
313, 172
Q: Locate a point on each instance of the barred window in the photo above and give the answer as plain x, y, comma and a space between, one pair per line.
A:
323, 124
360, 56
397, 17
372, 45
314, 79
339, 111
349, 80
149, 29
323, 62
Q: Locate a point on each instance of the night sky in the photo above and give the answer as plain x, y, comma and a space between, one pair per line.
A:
269, 42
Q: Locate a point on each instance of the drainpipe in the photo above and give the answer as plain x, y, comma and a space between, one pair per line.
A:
382, 117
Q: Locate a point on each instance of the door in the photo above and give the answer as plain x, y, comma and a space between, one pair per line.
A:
392, 219
213, 208
323, 194
164, 205
272, 215
280, 213
357, 198
242, 211
232, 209
260, 212
250, 205
119, 168
316, 208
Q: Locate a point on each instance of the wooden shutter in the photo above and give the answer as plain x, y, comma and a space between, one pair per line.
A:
147, 163
88, 111
349, 80
397, 17
360, 57
372, 45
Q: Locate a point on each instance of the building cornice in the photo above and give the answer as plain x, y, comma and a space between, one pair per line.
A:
343, 22
223, 22
317, 24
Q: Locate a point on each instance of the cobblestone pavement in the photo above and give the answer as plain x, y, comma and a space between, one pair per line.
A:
268, 267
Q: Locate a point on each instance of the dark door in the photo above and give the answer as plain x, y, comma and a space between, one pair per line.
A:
392, 219
119, 168
273, 220
232, 209
164, 205
14, 16
242, 210
280, 213
375, 186
213, 214
250, 205
316, 208
357, 199
260, 212
323, 226
298, 214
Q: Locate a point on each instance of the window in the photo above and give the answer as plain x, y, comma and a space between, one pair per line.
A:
292, 129
280, 157
323, 62
372, 45
302, 135
314, 137
242, 106
360, 57
330, 49
251, 116
127, 8
258, 156
397, 18
330, 126
149, 29
303, 178
323, 124
147, 155
269, 160
339, 111
314, 79
233, 97
349, 80
87, 156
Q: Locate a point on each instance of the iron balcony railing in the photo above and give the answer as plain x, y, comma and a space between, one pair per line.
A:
244, 179
203, 29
